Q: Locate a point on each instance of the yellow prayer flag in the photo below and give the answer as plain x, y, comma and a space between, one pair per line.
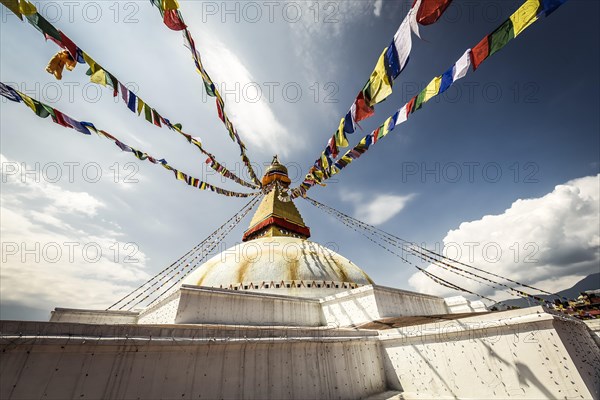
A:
170, 5
140, 106
379, 84
324, 161
386, 125
13, 5
26, 8
99, 77
525, 16
432, 89
340, 136
27, 100
180, 176
90, 61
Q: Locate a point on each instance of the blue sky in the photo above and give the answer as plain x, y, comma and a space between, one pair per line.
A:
530, 113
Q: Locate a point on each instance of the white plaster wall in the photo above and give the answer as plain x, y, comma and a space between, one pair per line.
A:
594, 327
63, 368
217, 306
163, 312
93, 316
459, 305
373, 302
512, 354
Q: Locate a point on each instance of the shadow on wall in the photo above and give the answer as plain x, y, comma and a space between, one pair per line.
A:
421, 365
526, 375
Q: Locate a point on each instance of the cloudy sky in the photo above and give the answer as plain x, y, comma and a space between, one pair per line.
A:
503, 169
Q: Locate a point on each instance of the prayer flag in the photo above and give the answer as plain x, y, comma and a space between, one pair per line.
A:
403, 43
340, 135
169, 4
379, 86
148, 113
348, 123
140, 105
99, 77
26, 8
362, 109
524, 16
173, 20
78, 126
392, 62
131, 102
9, 93
480, 52
13, 5
402, 115
431, 10
502, 35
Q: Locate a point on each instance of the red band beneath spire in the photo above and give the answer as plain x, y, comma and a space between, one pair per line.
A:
280, 222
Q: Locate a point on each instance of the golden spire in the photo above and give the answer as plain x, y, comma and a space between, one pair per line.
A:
273, 216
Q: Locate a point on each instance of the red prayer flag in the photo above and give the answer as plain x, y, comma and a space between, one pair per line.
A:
156, 118
333, 147
431, 10
124, 93
410, 105
220, 111
58, 118
480, 52
363, 110
68, 44
376, 135
172, 20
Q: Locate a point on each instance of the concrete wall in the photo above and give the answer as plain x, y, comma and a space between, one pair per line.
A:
460, 305
513, 354
163, 312
217, 306
594, 327
374, 302
93, 316
307, 364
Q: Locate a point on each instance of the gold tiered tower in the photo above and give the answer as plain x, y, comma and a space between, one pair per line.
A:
273, 216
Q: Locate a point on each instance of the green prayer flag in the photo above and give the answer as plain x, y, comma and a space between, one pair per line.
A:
419, 101
148, 113
209, 89
42, 25
501, 36
40, 109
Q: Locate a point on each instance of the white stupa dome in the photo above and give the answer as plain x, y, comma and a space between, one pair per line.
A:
280, 265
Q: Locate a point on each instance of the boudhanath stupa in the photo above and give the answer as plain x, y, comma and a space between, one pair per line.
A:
281, 317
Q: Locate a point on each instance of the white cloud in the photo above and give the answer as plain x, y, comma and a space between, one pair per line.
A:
248, 108
377, 7
377, 209
550, 242
46, 262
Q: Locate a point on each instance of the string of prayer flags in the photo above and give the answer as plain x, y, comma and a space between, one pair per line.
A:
44, 110
72, 54
389, 66
522, 18
173, 19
